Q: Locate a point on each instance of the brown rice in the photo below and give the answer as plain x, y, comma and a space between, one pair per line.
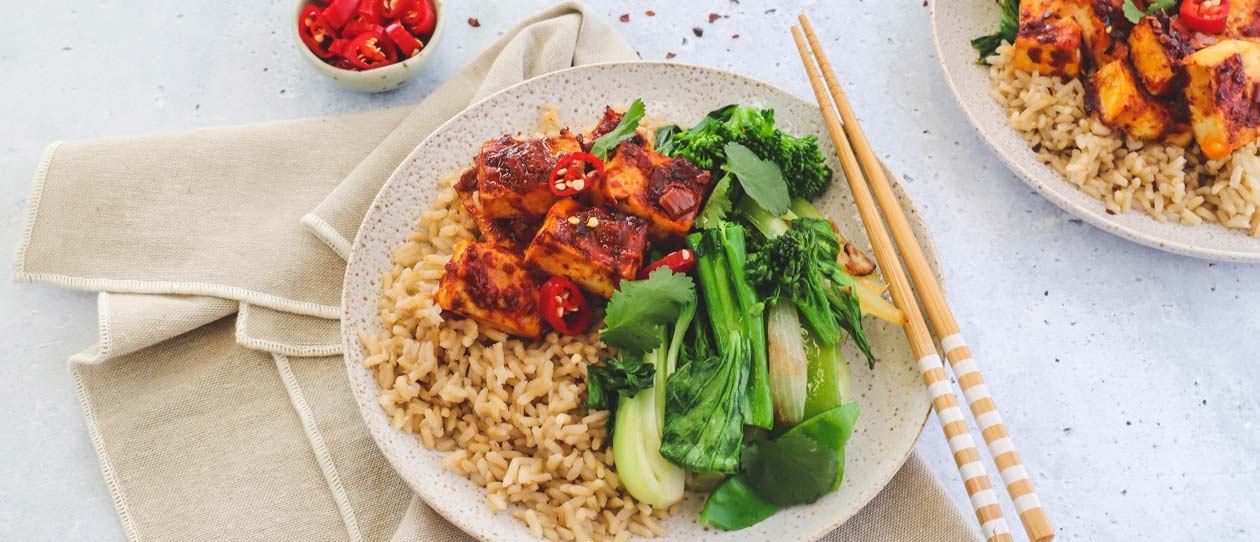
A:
1167, 182
508, 412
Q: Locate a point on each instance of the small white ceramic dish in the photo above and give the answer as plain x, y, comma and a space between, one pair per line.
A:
954, 24
380, 79
894, 402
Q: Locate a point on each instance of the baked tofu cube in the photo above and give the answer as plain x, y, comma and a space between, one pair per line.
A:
512, 233
1244, 20
1222, 95
1049, 41
1099, 20
1157, 46
492, 285
512, 174
595, 247
667, 192
1121, 103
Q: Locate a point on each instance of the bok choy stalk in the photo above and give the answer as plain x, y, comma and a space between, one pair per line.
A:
798, 265
788, 364
640, 422
732, 305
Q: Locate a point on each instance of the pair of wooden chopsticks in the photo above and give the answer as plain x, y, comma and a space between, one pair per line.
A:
861, 167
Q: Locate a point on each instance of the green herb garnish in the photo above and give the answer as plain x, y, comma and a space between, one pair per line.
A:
641, 308
1008, 27
623, 131
761, 179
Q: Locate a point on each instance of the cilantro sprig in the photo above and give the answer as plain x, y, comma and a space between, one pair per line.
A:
638, 311
1134, 14
761, 179
623, 131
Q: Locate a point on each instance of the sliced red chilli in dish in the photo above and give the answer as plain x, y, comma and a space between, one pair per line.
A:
371, 50
316, 33
571, 176
564, 307
408, 44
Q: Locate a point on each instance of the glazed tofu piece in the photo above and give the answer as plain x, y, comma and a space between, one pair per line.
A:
1049, 40
512, 174
595, 247
1123, 104
1158, 45
1223, 97
1244, 20
1099, 21
667, 192
492, 285
512, 233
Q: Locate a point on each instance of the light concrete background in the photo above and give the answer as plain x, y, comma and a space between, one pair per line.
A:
1126, 374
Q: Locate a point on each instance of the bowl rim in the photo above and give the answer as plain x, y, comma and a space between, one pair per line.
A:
375, 73
350, 340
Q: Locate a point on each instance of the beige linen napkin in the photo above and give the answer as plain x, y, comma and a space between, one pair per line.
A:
215, 397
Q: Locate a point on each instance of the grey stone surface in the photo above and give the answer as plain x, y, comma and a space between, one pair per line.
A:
1125, 374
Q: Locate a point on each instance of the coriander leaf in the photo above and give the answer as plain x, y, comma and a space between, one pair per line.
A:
1135, 14
718, 205
639, 309
619, 378
1008, 28
761, 179
791, 469
623, 131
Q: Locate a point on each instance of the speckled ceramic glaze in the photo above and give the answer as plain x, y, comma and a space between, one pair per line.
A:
894, 403
954, 24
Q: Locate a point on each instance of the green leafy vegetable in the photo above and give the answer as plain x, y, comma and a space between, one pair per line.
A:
801, 161
1008, 27
761, 179
623, 131
731, 305
640, 419
620, 377
739, 502
734, 505
832, 429
638, 311
716, 207
801, 265
665, 138
703, 422
1135, 14
791, 469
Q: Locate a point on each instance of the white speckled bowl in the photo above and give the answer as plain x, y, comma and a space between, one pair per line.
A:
954, 24
380, 79
894, 403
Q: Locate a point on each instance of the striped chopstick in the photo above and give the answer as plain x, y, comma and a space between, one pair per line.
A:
851, 142
944, 403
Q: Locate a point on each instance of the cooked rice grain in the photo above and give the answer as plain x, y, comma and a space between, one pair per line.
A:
1167, 182
509, 412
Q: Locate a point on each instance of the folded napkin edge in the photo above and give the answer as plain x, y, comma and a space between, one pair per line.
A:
315, 225
32, 211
